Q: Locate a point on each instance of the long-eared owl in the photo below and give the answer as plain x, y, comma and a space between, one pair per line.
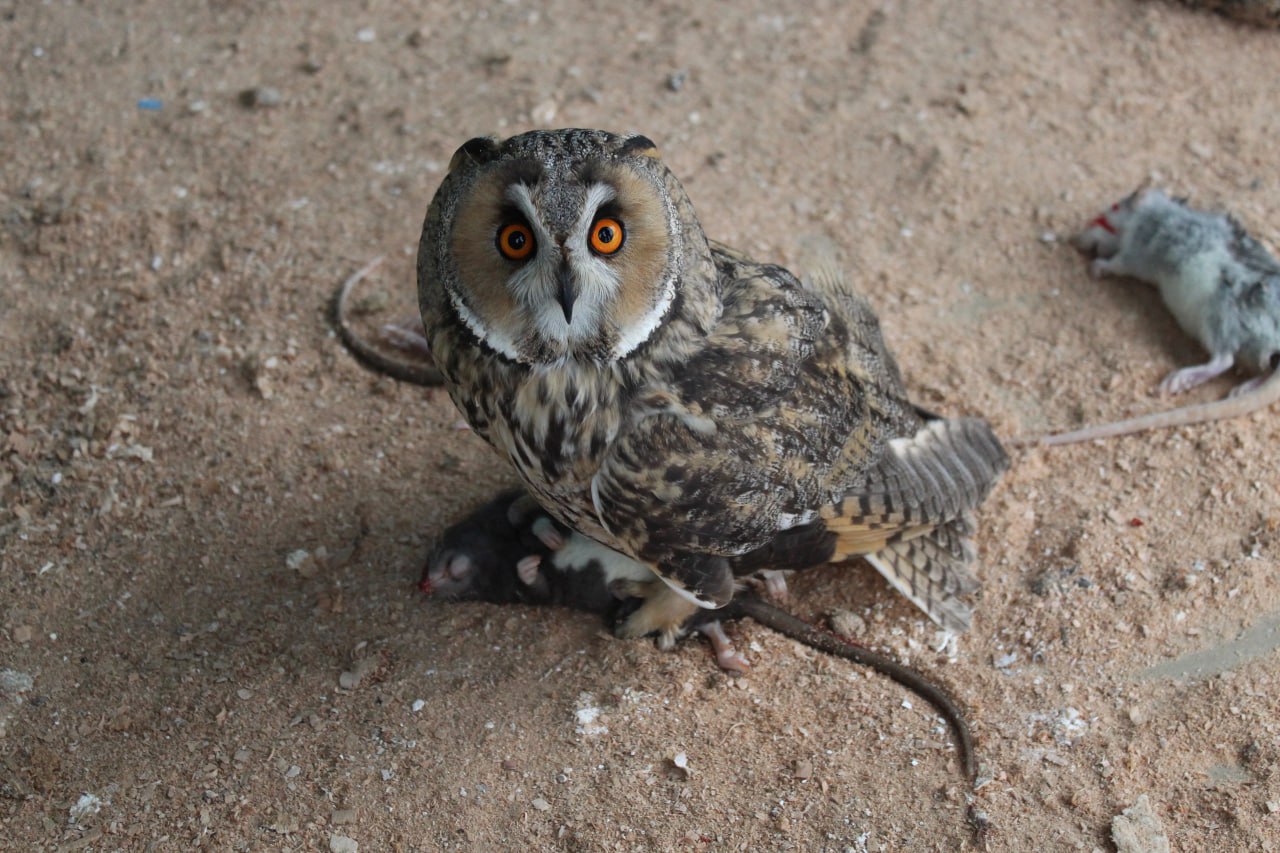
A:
675, 400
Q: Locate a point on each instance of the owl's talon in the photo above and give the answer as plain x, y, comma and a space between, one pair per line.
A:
664, 613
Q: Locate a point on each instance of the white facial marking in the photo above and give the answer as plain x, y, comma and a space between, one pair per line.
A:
493, 337
640, 331
648, 324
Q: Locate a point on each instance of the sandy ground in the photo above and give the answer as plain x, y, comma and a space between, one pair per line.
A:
177, 422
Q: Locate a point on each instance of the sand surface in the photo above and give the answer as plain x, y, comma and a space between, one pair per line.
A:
212, 518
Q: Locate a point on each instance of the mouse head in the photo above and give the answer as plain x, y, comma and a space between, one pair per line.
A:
492, 555
1101, 237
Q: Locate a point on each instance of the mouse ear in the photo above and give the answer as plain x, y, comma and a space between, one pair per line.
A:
527, 569
460, 567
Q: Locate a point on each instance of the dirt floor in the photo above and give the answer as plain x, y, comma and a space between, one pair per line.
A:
212, 518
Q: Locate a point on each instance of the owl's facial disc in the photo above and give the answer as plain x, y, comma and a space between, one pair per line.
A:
570, 286
564, 263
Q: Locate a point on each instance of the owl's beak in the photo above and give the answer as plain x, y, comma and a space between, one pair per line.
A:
567, 293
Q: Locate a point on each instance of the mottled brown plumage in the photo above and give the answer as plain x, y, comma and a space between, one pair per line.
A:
673, 399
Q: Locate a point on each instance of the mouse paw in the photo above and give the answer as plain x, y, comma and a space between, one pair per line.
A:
1189, 377
1249, 386
548, 533
525, 514
775, 585
407, 334
1100, 267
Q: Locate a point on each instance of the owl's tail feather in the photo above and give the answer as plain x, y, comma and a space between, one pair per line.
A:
913, 518
948, 466
932, 571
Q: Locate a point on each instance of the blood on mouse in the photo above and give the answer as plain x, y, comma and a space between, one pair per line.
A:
1221, 285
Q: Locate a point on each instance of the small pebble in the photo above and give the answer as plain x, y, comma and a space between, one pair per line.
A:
368, 35
540, 804
1138, 829
544, 114
676, 80
342, 844
261, 97
846, 623
1200, 150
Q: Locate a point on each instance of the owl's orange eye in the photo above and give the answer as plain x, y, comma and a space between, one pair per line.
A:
606, 236
515, 241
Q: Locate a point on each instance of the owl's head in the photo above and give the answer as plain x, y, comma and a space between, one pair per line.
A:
554, 245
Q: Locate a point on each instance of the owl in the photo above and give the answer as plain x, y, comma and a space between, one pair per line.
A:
694, 410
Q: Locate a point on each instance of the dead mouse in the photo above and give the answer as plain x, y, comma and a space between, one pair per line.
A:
508, 551
1220, 284
405, 334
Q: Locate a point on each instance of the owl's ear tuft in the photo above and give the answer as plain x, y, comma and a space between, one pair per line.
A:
637, 146
482, 149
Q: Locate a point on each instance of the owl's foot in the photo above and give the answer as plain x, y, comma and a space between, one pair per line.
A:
726, 655
663, 613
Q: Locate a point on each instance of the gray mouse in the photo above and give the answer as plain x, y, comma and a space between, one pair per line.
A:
1220, 284
509, 551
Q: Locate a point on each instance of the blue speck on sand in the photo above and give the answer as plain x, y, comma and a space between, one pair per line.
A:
152, 104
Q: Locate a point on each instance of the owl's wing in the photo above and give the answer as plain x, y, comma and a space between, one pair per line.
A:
794, 414
745, 443
700, 471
